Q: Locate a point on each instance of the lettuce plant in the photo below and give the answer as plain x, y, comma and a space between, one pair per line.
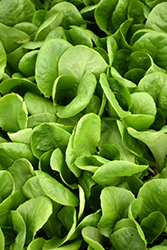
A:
83, 134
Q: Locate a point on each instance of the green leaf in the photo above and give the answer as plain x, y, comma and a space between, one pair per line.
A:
110, 134
13, 113
36, 244
55, 190
37, 119
73, 99
110, 96
48, 136
38, 104
18, 12
154, 43
153, 225
80, 59
87, 135
155, 141
12, 151
74, 245
48, 57
18, 85
29, 28
68, 10
21, 170
115, 202
49, 24
27, 63
35, 213
10, 203
6, 185
67, 216
114, 170
2, 60
12, 38
93, 237
32, 188
153, 84
157, 18
127, 237
2, 240
21, 135
20, 227
153, 194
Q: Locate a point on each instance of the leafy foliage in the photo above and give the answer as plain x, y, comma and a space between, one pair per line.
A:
83, 132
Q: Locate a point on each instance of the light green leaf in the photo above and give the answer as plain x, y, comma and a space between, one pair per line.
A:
36, 244
20, 227
18, 11
43, 117
12, 151
93, 237
80, 59
78, 97
157, 18
48, 57
10, 203
127, 238
18, 85
6, 184
12, 38
2, 240
21, 170
154, 197
35, 213
87, 135
48, 136
55, 190
32, 188
27, 63
68, 10
153, 225
115, 203
114, 170
49, 24
155, 141
2, 60
13, 113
